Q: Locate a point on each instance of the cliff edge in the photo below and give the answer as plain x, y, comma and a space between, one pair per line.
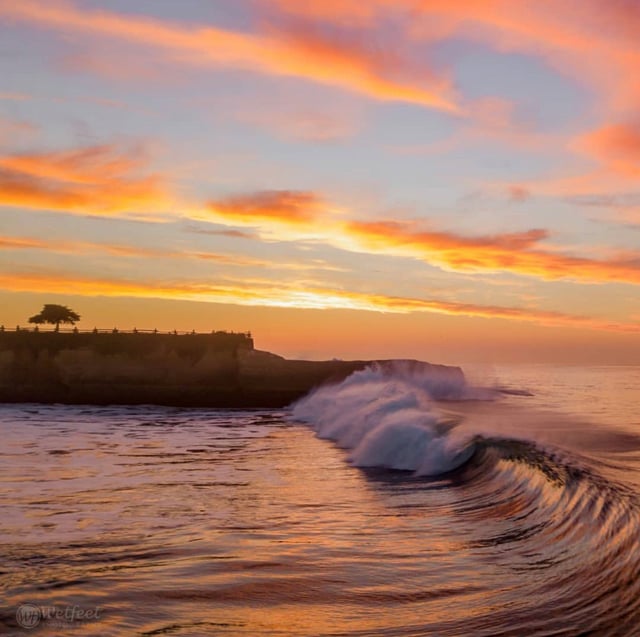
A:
187, 370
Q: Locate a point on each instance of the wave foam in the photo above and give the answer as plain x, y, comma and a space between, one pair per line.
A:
386, 416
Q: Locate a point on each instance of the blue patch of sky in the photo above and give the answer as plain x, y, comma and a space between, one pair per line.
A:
24, 68
406, 125
543, 95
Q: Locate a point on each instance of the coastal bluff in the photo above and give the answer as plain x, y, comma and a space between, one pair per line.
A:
220, 369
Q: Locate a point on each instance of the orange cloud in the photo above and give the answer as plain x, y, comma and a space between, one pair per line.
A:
13, 243
88, 247
285, 206
84, 247
591, 41
276, 215
282, 295
514, 253
299, 54
82, 166
94, 180
617, 145
599, 182
518, 193
304, 215
573, 25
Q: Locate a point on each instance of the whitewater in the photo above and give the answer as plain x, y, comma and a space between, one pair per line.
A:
397, 502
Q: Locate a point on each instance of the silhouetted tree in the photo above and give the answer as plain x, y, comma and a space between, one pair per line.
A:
54, 315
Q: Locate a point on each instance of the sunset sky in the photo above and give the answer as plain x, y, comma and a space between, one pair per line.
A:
447, 180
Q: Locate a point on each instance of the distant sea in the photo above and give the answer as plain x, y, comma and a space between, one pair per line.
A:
392, 504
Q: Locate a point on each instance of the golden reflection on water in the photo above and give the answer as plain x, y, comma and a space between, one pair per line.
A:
197, 523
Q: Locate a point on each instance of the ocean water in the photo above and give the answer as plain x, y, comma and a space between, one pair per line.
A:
392, 504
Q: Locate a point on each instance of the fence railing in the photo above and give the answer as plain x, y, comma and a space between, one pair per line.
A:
115, 330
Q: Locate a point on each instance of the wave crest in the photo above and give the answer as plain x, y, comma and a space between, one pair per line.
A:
386, 416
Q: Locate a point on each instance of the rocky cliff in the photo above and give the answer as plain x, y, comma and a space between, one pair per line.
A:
199, 370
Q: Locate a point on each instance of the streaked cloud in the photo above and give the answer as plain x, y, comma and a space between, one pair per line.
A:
567, 35
295, 52
285, 206
93, 180
283, 295
304, 215
122, 250
102, 180
276, 215
232, 234
590, 41
18, 243
475, 158
594, 182
518, 253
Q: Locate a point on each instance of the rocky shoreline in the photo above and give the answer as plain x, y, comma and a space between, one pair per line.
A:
203, 370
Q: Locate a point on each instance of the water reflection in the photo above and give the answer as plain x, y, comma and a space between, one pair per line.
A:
236, 523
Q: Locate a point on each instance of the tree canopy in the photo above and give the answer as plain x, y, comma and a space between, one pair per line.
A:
54, 315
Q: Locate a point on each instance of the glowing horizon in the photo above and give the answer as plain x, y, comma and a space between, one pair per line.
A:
402, 162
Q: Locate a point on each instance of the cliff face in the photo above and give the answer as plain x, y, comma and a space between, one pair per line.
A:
120, 368
200, 370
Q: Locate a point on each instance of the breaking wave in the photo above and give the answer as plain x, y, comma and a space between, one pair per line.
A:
550, 510
387, 417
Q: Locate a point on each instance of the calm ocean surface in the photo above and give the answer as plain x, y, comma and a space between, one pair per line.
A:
373, 508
